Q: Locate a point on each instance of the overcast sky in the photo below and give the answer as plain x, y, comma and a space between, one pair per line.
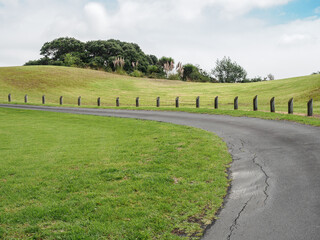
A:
281, 37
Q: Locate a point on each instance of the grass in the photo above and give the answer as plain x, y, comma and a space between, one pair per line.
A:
73, 82
66, 176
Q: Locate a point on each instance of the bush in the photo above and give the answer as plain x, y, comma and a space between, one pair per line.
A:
120, 71
195, 74
70, 60
174, 77
155, 71
136, 73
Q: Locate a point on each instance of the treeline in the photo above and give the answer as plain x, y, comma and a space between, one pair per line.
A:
128, 58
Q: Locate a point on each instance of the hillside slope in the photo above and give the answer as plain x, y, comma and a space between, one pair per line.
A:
89, 84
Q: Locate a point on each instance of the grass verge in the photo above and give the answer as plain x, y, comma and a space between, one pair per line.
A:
66, 176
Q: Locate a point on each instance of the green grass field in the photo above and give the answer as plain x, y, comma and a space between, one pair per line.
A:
89, 84
67, 176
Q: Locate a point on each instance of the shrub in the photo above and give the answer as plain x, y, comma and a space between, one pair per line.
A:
136, 73
195, 74
174, 77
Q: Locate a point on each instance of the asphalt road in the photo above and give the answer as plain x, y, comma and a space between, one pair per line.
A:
275, 192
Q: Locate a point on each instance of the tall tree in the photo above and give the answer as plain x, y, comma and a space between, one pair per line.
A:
227, 71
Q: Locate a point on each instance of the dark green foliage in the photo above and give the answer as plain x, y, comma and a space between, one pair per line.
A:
153, 60
98, 54
227, 71
41, 61
57, 48
174, 77
164, 60
136, 73
195, 74
256, 79
155, 71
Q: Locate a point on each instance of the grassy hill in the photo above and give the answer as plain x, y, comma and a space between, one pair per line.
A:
89, 84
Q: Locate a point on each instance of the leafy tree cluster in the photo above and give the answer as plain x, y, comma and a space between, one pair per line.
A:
99, 54
128, 58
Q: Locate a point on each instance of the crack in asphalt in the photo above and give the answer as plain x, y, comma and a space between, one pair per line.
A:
254, 160
235, 221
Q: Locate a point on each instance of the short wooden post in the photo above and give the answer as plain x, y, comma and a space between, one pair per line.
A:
255, 103
79, 101
272, 105
26, 98
235, 103
43, 99
158, 101
9, 97
198, 102
177, 102
216, 102
290, 106
98, 102
137, 102
117, 102
310, 107
61, 100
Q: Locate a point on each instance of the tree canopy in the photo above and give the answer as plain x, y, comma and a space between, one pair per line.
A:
128, 58
227, 71
98, 54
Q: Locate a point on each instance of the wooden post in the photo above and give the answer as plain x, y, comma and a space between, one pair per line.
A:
158, 101
216, 102
26, 98
290, 106
272, 105
61, 100
43, 99
137, 102
79, 101
310, 107
98, 102
255, 103
9, 97
117, 102
235, 103
198, 102
177, 102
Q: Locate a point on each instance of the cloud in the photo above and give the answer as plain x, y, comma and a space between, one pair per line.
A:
294, 38
197, 32
97, 17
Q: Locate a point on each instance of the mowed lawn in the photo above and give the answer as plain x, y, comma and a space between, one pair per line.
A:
71, 83
67, 176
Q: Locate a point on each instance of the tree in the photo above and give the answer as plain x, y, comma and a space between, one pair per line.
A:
58, 48
153, 60
227, 71
270, 76
195, 74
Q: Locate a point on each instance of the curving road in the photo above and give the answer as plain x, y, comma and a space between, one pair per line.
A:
275, 191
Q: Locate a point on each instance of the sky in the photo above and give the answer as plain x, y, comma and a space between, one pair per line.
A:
281, 37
